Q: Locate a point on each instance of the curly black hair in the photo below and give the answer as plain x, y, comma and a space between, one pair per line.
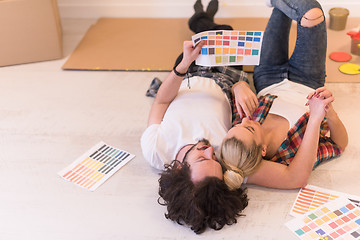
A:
208, 203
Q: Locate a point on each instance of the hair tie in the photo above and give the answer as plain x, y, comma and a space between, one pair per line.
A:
233, 179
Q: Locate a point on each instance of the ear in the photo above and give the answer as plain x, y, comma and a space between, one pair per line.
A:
263, 150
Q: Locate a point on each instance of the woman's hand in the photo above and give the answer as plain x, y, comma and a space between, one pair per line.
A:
245, 99
320, 106
325, 94
321, 92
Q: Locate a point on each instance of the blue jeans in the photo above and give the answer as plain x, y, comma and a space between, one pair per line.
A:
307, 63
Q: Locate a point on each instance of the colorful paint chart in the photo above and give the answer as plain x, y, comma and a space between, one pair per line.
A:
229, 47
338, 219
95, 166
311, 197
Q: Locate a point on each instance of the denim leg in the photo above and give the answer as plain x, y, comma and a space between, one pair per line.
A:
307, 63
295, 9
274, 56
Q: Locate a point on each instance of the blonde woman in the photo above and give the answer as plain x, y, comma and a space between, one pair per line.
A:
289, 126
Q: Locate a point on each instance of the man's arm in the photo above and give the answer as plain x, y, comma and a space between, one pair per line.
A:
170, 87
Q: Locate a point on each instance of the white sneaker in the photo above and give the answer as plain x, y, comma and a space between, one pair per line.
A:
268, 3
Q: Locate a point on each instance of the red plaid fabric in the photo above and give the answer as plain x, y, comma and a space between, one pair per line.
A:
327, 148
260, 113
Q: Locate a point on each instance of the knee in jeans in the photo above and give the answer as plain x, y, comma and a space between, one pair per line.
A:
312, 17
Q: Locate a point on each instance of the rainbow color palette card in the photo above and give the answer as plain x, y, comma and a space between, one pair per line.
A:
224, 48
311, 197
95, 166
338, 219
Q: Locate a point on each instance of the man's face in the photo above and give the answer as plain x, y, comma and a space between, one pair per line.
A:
202, 161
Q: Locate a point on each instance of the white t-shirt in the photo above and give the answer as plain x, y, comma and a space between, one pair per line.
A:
290, 101
203, 111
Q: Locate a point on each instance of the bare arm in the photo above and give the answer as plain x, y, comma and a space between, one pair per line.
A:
275, 175
338, 131
170, 87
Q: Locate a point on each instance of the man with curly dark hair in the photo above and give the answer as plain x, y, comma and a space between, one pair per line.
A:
192, 186
207, 203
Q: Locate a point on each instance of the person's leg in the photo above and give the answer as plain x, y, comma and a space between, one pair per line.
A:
212, 8
204, 21
274, 57
307, 63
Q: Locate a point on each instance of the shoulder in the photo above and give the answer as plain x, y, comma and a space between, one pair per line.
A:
149, 147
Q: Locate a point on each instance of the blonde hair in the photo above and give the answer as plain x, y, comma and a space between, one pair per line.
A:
239, 160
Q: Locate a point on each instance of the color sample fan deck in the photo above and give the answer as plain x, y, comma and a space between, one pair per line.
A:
223, 48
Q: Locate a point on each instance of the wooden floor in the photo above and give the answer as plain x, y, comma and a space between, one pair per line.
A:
49, 117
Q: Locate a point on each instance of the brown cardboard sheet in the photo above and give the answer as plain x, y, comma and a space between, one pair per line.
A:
150, 44
140, 44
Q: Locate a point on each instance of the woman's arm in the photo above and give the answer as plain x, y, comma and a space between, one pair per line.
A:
338, 131
170, 87
275, 175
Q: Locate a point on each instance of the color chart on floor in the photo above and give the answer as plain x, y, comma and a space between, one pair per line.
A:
95, 166
338, 219
311, 197
229, 47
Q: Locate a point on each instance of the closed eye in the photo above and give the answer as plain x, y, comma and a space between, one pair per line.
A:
202, 147
201, 159
250, 129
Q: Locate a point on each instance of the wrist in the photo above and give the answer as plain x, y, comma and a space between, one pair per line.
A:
179, 73
315, 119
239, 84
331, 115
182, 67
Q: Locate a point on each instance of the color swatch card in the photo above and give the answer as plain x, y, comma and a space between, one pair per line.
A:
95, 166
338, 219
224, 48
311, 197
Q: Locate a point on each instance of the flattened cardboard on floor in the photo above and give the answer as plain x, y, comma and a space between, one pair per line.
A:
154, 44
30, 31
147, 44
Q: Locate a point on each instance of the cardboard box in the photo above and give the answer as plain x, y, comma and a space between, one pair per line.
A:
30, 31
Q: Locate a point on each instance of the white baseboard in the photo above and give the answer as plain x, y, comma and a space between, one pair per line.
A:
68, 10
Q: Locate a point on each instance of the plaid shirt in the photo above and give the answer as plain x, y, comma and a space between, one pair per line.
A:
327, 148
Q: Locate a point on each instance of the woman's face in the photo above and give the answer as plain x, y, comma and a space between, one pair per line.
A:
247, 131
202, 161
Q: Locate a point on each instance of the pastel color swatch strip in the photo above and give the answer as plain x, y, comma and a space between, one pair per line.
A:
338, 219
311, 197
224, 48
95, 166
